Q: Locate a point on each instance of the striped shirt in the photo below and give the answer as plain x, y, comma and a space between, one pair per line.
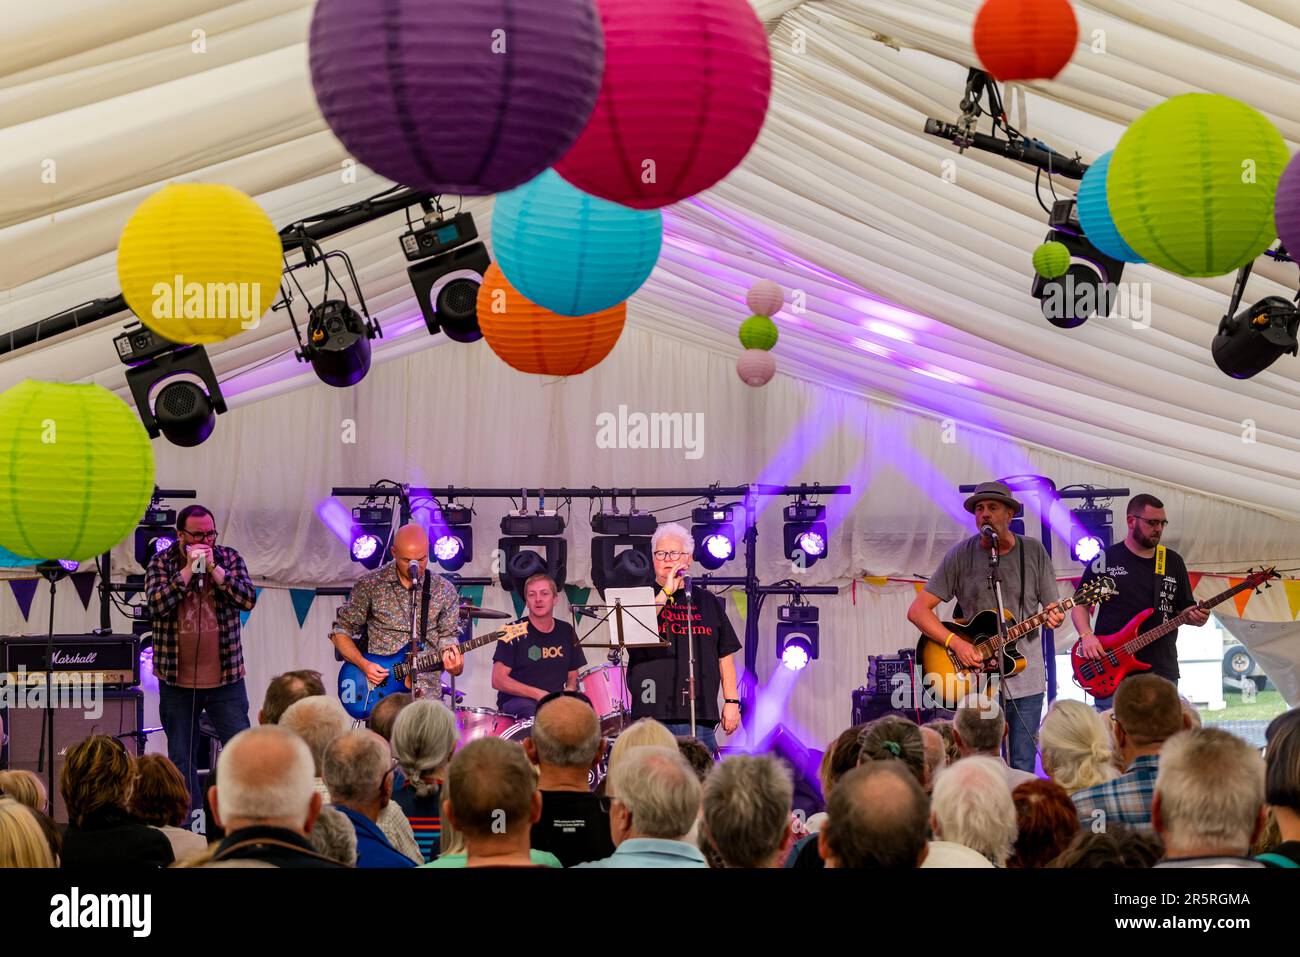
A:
423, 813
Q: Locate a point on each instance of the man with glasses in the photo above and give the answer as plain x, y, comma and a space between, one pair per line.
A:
1147, 575
358, 769
196, 590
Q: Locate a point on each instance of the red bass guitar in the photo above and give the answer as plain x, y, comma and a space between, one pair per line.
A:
1100, 677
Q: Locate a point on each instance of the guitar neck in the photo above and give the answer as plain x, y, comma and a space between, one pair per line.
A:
1029, 624
1158, 632
431, 661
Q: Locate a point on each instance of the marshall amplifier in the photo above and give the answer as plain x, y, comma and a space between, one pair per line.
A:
113, 660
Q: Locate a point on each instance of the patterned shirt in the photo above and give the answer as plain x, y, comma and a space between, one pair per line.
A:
165, 591
1123, 800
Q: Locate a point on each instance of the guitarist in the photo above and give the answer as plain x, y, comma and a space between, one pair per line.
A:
1028, 582
1147, 575
381, 602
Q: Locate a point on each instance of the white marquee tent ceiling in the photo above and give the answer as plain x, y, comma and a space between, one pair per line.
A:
843, 198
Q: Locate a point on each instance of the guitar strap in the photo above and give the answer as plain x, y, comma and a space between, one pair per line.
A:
424, 606
1159, 578
1020, 545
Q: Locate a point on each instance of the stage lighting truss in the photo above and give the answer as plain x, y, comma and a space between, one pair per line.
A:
714, 529
805, 536
372, 530
797, 638
1090, 532
174, 388
155, 533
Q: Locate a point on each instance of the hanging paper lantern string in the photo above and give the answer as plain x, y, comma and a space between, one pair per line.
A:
758, 332
684, 95
1286, 208
538, 341
1094, 213
1052, 260
80, 472
572, 253
1025, 39
471, 97
765, 298
755, 367
199, 262
1192, 184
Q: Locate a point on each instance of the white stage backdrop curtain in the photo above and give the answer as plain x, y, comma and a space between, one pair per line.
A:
454, 414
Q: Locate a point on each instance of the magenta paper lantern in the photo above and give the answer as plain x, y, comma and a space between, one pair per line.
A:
456, 96
685, 91
1286, 207
765, 298
755, 367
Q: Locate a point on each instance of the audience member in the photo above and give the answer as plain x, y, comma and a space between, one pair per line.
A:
159, 799
494, 803
95, 781
980, 727
945, 728
1190, 713
747, 803
1282, 787
357, 767
1208, 805
384, 714
936, 755
972, 815
334, 836
892, 738
423, 738
877, 818
1114, 847
640, 733
25, 788
1147, 713
1046, 822
452, 844
565, 745
697, 755
22, 841
1076, 746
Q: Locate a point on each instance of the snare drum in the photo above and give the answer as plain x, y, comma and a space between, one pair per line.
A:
605, 686
482, 723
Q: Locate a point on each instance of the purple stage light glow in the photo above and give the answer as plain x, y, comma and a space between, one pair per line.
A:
446, 548
363, 546
812, 544
719, 546
69, 565
336, 517
1087, 548
162, 543
795, 657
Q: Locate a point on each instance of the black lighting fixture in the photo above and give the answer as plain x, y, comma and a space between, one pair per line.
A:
532, 543
1252, 340
372, 530
804, 535
797, 634
451, 536
1089, 286
337, 344
1090, 532
620, 548
449, 268
176, 393
155, 533
713, 527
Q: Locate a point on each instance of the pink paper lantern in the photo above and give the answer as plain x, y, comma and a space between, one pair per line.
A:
684, 95
755, 367
765, 298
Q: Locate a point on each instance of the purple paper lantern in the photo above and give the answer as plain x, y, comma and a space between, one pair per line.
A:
755, 367
457, 96
1286, 207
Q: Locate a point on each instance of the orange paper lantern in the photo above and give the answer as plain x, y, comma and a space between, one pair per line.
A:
538, 341
1025, 39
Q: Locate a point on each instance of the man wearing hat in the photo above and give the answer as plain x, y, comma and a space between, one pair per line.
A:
1028, 585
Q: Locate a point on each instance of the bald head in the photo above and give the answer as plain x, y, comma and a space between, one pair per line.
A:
877, 817
566, 734
265, 776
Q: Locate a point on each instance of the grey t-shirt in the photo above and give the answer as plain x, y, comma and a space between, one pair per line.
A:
964, 574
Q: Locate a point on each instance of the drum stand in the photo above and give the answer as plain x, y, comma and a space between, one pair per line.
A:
617, 648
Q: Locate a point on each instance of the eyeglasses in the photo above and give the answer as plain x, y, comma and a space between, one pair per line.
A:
564, 693
670, 556
1154, 523
201, 536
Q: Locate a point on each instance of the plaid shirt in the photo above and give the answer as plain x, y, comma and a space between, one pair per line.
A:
1123, 800
165, 590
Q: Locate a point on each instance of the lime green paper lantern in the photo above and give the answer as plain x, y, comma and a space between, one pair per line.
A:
1052, 260
78, 474
758, 332
1191, 184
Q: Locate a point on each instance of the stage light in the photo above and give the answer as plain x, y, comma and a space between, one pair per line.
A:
446, 286
1090, 532
155, 533
176, 393
1089, 286
524, 532
69, 565
372, 527
452, 536
714, 531
797, 638
805, 535
338, 343
1255, 338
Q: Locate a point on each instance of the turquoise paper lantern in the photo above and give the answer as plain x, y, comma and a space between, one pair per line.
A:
9, 560
570, 252
1094, 213
79, 470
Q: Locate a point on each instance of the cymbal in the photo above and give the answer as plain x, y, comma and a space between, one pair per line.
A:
474, 611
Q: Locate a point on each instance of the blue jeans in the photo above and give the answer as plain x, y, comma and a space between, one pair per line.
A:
227, 708
704, 733
1103, 704
1023, 716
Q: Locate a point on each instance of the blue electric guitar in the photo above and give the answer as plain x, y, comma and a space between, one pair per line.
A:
357, 695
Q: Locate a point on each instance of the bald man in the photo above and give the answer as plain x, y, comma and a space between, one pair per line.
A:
381, 604
565, 745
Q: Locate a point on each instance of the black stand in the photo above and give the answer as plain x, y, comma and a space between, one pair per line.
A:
616, 648
51, 572
994, 583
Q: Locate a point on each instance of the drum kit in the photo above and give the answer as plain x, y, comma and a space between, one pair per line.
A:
604, 685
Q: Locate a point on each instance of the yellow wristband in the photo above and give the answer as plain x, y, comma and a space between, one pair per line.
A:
949, 641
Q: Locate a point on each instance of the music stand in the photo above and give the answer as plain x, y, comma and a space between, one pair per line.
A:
617, 648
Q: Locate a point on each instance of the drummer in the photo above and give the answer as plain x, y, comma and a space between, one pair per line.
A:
528, 669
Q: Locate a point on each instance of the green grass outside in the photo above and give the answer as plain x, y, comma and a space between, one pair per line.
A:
1266, 706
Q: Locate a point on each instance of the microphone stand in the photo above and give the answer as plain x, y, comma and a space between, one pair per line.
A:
416, 584
994, 559
52, 572
690, 646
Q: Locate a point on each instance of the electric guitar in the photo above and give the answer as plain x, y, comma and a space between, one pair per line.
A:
1100, 676
359, 697
947, 680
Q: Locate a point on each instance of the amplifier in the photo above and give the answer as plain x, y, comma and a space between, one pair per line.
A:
881, 671
868, 707
113, 660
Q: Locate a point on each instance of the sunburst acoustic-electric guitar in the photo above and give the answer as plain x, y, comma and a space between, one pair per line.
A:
1101, 676
947, 680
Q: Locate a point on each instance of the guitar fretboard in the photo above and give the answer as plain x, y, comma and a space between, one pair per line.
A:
431, 661
1159, 631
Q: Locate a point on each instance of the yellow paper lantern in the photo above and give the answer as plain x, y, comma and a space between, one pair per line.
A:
199, 262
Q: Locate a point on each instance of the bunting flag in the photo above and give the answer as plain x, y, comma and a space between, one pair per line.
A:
24, 590
519, 603
875, 579
472, 594
243, 615
1241, 598
917, 586
85, 585
576, 596
1292, 589
741, 598
1194, 578
1075, 582
302, 599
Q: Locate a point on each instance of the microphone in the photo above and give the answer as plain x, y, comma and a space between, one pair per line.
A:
686, 581
200, 567
988, 531
413, 571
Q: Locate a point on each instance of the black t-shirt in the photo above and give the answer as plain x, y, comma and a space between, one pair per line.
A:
656, 677
1135, 581
574, 827
542, 659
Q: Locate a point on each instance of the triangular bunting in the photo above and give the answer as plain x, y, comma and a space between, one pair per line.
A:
741, 598
24, 590
243, 615
85, 585
875, 579
1195, 578
1292, 589
917, 586
1075, 582
302, 599
1241, 598
576, 596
